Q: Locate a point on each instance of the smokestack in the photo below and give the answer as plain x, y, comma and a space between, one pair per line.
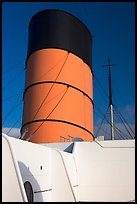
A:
58, 95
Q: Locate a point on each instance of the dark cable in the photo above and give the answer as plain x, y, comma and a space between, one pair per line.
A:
110, 126
53, 67
116, 129
51, 111
49, 91
14, 125
104, 91
8, 98
122, 118
101, 122
50, 88
12, 109
16, 65
13, 80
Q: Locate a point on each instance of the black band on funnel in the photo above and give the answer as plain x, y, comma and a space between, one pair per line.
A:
56, 120
59, 29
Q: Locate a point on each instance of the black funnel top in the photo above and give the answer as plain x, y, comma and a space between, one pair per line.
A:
58, 29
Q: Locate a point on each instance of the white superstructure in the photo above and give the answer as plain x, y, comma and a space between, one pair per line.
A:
98, 171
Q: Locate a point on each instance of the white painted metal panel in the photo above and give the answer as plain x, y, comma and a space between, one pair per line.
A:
51, 183
12, 185
70, 165
105, 174
62, 190
31, 158
101, 171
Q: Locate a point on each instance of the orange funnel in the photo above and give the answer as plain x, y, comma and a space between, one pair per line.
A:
58, 96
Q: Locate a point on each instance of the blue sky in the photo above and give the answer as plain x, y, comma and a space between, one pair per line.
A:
112, 24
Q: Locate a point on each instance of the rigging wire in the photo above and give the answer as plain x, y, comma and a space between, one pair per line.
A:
101, 122
102, 88
86, 20
45, 97
125, 124
8, 98
13, 80
12, 109
22, 90
104, 91
55, 96
14, 125
125, 120
53, 66
106, 127
50, 88
16, 65
119, 132
51, 111
105, 131
116, 129
117, 123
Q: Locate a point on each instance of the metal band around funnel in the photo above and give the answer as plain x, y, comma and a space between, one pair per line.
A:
56, 120
57, 82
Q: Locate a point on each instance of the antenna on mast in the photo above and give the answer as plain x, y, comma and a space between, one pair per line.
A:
110, 98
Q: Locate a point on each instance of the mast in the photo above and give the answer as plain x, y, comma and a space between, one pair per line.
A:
110, 98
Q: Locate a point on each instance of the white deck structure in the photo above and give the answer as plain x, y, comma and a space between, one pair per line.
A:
98, 171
